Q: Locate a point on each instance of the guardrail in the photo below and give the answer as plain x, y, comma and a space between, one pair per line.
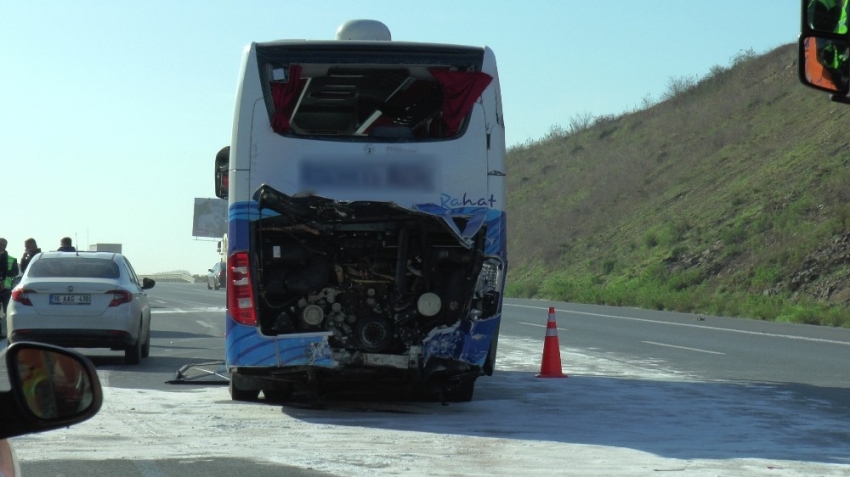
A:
175, 276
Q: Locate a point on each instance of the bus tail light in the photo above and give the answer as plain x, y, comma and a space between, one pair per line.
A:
240, 292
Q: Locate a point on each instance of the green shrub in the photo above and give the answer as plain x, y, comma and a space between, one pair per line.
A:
766, 276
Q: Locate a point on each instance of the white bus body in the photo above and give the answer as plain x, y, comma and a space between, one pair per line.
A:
366, 224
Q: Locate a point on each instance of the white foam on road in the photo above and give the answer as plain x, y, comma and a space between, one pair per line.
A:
181, 311
610, 417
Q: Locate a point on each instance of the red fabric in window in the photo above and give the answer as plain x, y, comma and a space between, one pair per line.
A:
284, 96
461, 89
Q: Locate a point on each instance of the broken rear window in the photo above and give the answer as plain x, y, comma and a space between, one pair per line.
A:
393, 94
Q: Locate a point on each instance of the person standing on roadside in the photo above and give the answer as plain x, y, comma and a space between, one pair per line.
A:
65, 245
8, 272
30, 250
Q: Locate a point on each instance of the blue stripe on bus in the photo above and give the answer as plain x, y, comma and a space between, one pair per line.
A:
477, 343
248, 210
469, 343
246, 347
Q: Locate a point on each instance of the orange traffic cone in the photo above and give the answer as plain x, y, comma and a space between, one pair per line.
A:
550, 367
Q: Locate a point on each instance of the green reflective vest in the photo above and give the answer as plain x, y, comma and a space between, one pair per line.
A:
11, 271
832, 58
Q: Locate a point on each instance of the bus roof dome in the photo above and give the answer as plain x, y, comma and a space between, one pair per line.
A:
363, 30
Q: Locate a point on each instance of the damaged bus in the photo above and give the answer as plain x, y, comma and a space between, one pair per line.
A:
366, 222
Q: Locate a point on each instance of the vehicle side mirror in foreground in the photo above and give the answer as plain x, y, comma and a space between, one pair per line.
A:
148, 283
222, 163
51, 387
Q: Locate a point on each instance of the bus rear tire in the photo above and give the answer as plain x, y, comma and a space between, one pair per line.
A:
277, 395
240, 394
460, 393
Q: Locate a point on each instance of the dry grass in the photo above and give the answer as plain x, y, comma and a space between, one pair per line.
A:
745, 163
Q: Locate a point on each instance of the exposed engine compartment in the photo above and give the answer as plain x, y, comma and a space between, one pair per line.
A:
378, 287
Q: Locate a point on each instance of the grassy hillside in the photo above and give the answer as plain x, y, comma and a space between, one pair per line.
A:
730, 197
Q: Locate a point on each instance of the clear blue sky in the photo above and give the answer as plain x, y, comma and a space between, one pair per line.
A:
111, 112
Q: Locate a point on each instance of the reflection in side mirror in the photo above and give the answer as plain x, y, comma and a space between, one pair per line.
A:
828, 16
51, 387
825, 64
54, 386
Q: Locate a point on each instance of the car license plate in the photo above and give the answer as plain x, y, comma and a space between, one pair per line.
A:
70, 299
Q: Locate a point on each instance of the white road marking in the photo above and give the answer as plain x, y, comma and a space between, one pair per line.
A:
682, 347
103, 376
213, 309
539, 325
204, 323
728, 330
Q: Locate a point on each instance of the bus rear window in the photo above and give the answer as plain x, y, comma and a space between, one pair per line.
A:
379, 103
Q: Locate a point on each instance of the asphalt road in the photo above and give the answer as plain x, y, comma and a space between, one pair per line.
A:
187, 327
706, 346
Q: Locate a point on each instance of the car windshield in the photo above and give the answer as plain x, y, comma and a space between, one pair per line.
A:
74, 266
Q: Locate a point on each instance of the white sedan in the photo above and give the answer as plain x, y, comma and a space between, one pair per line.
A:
82, 300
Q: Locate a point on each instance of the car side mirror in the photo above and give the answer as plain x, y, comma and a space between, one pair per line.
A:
148, 283
51, 387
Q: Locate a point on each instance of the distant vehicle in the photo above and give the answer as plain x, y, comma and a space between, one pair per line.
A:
366, 222
50, 388
82, 300
216, 276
